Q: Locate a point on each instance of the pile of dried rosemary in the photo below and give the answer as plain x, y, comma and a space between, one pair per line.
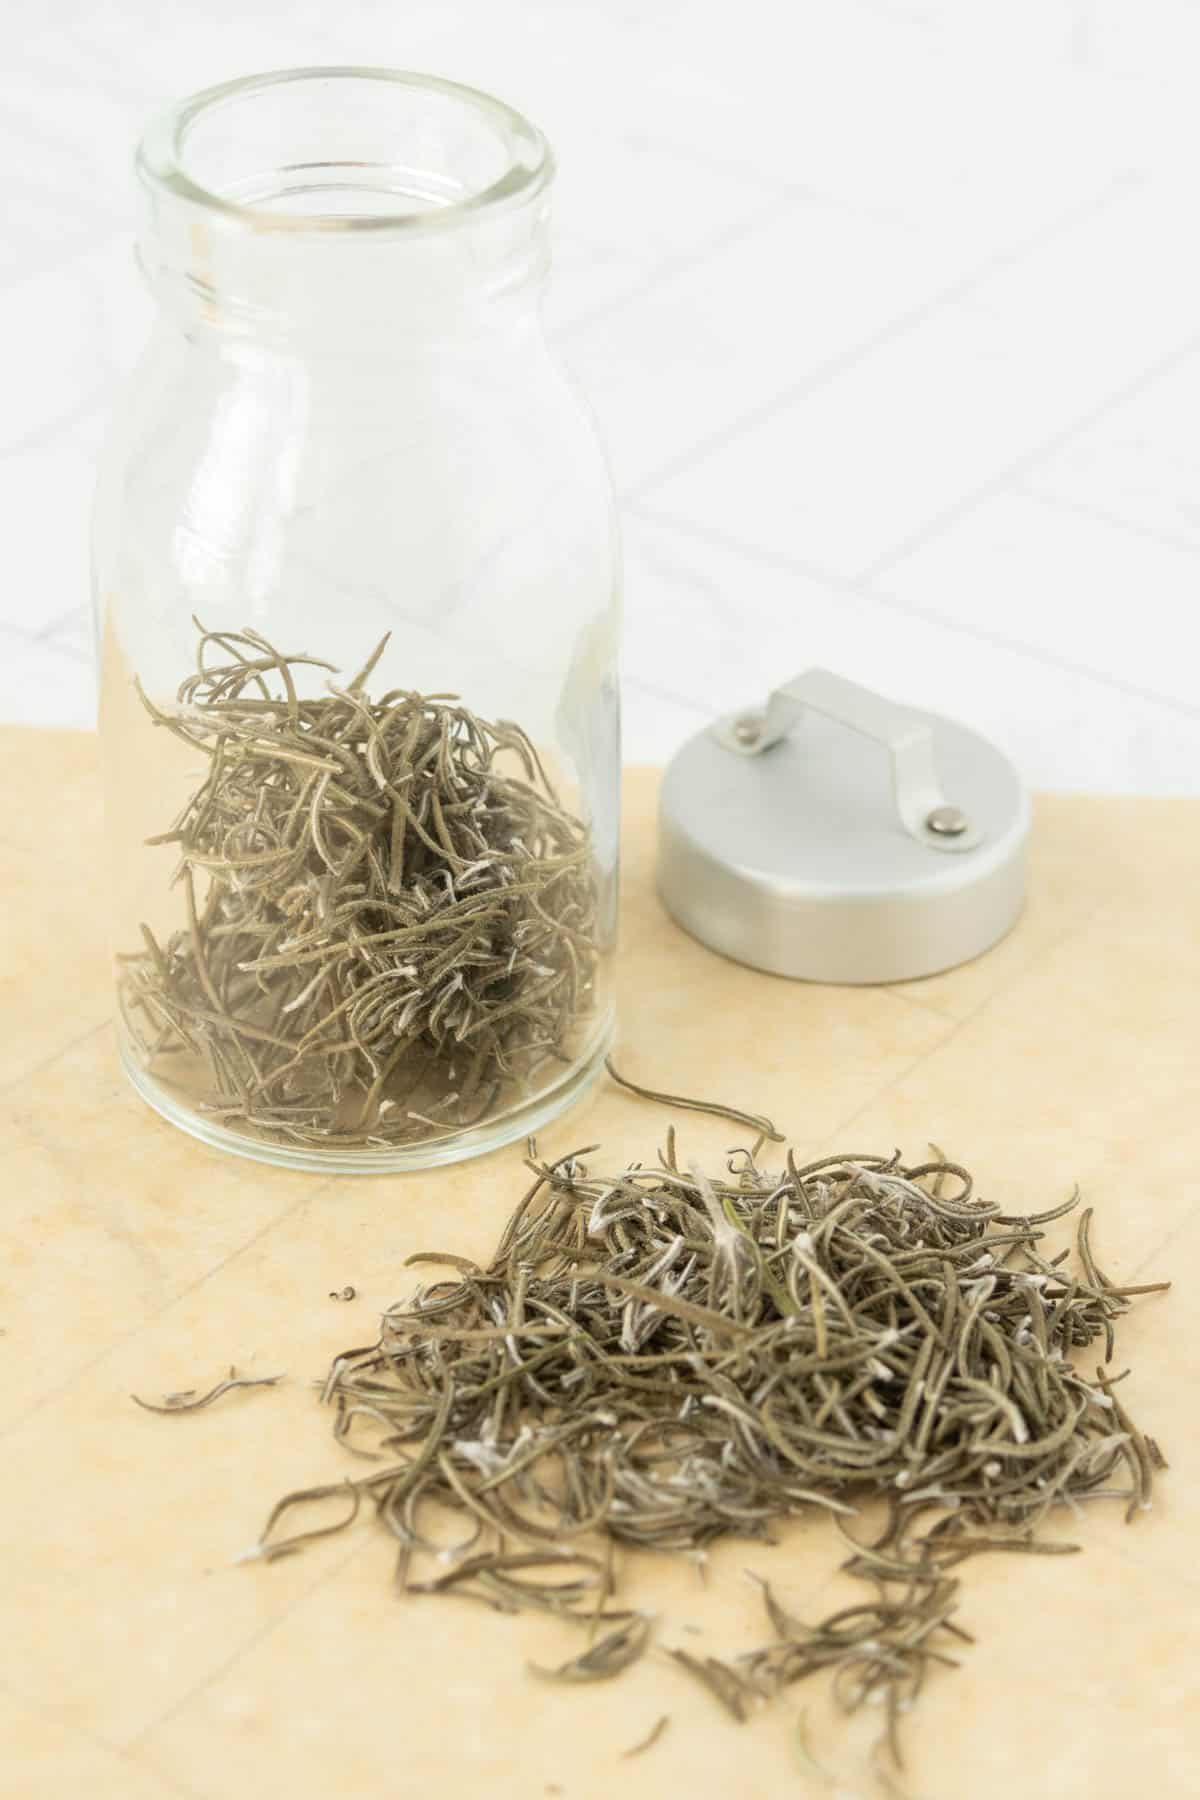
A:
390, 920
659, 1359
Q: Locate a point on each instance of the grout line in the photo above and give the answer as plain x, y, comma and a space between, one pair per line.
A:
898, 991
25, 639
38, 435
88, 240
947, 1037
104, 65
1111, 1534
138, 1741
785, 560
788, 195
678, 264
76, 615
1029, 459
1033, 961
897, 327
38, 1068
80, 659
71, 1728
64, 618
154, 1318
169, 1781
862, 588
656, 692
1170, 540
1164, 1244
1033, 652
656, 143
1084, 922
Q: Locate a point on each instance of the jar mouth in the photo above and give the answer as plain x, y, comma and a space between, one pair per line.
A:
340, 149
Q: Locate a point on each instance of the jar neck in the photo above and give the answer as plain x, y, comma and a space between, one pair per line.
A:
344, 208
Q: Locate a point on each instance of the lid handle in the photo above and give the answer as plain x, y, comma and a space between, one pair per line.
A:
921, 805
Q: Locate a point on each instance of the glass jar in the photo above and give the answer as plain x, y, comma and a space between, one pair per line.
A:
356, 573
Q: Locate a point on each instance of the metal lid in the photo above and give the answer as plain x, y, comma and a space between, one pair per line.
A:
783, 843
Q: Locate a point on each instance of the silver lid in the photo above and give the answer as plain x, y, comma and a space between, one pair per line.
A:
784, 842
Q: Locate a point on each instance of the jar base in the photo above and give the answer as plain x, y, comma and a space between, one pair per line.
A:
478, 1140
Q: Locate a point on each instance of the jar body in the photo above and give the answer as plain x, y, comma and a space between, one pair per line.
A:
358, 611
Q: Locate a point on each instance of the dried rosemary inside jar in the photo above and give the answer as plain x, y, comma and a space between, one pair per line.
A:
390, 918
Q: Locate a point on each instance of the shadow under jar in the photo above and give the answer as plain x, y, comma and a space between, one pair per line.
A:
356, 574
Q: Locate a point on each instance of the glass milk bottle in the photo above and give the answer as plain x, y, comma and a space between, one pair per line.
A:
356, 573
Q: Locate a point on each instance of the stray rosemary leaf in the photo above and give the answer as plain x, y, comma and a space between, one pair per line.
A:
184, 1402
651, 1738
607, 1657
757, 1121
725, 1685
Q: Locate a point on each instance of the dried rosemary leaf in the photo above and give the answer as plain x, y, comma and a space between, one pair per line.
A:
185, 1401
607, 1657
651, 1738
757, 1121
725, 1685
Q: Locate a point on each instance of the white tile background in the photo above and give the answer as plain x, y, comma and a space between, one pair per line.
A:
890, 310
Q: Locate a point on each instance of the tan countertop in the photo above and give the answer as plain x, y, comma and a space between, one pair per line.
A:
138, 1662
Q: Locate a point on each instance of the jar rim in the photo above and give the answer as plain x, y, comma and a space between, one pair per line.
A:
161, 154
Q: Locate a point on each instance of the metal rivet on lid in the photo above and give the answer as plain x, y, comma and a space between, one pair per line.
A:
947, 821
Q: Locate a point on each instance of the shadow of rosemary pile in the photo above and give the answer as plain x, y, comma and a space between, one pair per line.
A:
659, 1359
391, 921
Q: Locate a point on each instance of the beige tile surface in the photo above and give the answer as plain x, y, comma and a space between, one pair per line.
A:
108, 1215
463, 1712
54, 983
1071, 835
1084, 1069
137, 1660
1161, 1346
44, 1759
